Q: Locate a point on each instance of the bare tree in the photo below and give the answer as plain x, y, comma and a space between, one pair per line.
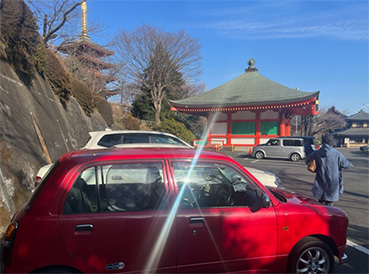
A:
53, 15
324, 122
150, 56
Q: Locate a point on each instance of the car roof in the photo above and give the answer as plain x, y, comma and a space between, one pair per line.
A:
139, 152
95, 135
107, 132
297, 137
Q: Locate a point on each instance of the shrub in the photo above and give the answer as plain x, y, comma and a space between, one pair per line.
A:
21, 38
176, 128
57, 77
131, 122
41, 59
104, 109
83, 95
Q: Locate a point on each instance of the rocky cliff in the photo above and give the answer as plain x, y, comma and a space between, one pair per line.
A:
34, 129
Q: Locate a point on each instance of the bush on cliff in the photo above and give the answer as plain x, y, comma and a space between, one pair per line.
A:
104, 109
57, 77
20, 36
83, 95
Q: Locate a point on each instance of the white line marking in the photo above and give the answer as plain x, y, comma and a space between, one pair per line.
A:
255, 161
358, 247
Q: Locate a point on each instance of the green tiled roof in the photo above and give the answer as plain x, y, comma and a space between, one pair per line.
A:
361, 115
249, 89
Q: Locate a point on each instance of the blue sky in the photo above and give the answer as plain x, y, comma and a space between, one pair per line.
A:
310, 45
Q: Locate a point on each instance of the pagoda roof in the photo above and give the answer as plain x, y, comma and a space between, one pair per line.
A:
248, 89
82, 43
95, 61
361, 115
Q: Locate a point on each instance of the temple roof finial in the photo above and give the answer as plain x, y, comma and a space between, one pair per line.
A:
84, 20
251, 64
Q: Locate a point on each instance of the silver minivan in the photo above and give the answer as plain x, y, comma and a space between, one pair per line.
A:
284, 147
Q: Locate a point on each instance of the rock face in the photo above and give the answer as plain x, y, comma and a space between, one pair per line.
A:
34, 130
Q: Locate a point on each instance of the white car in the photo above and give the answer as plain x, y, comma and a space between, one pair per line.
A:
265, 177
121, 138
110, 138
41, 174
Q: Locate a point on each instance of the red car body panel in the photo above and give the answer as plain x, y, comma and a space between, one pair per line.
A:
223, 239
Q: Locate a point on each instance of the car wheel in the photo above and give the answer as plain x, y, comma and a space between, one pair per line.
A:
311, 256
295, 157
259, 155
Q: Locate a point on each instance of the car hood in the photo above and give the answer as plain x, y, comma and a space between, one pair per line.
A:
292, 197
296, 199
261, 145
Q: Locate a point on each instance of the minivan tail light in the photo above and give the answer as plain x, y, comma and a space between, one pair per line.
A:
8, 242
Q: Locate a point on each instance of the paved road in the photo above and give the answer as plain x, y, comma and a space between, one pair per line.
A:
355, 201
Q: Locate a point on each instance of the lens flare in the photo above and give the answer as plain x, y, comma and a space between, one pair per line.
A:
157, 251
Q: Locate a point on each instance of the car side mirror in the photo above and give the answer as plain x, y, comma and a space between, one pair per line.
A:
266, 201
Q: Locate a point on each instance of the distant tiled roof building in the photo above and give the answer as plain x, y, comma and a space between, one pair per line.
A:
249, 109
357, 130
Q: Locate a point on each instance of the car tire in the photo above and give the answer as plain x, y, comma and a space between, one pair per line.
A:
295, 157
311, 255
259, 155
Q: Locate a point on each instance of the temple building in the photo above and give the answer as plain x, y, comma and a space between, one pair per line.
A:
90, 55
357, 131
249, 109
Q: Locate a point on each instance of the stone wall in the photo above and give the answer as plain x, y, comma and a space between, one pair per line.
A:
34, 129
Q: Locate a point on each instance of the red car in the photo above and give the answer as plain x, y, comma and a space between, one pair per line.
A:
167, 210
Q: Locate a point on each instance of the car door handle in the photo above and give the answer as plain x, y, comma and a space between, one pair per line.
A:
197, 220
84, 227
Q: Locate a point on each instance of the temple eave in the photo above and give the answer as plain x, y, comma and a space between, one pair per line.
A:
300, 108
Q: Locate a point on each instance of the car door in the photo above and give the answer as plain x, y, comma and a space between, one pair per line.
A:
273, 148
113, 218
222, 226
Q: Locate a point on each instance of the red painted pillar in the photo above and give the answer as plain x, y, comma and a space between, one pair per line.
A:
229, 128
281, 124
257, 128
288, 127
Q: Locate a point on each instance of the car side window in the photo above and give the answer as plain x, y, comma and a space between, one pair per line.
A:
118, 187
162, 139
110, 140
207, 185
273, 142
293, 142
136, 139
298, 143
287, 143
